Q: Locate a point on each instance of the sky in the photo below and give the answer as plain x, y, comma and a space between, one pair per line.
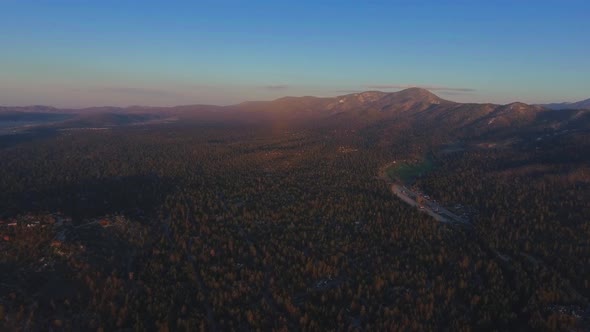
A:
164, 53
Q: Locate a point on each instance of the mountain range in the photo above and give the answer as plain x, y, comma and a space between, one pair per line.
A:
414, 108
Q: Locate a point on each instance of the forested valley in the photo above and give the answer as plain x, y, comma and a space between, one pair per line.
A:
182, 227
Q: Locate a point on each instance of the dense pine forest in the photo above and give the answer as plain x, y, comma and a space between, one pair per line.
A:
174, 227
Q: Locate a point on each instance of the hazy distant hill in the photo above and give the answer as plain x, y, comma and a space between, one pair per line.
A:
31, 109
583, 104
12, 121
32, 116
109, 119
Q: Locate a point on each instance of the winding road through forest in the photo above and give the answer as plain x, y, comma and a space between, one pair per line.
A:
420, 201
425, 205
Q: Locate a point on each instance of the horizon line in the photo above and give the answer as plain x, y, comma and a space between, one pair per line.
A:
351, 92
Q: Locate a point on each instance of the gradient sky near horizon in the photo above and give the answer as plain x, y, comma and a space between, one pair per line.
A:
93, 53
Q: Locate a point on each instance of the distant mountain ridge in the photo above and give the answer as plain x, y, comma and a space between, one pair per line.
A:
409, 108
582, 104
361, 99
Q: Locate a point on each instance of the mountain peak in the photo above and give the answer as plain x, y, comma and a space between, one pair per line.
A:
417, 93
415, 89
520, 107
412, 96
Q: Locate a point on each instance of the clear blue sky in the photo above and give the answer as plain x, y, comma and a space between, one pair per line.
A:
82, 53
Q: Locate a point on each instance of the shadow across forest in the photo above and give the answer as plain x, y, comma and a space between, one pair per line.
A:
132, 196
26, 136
